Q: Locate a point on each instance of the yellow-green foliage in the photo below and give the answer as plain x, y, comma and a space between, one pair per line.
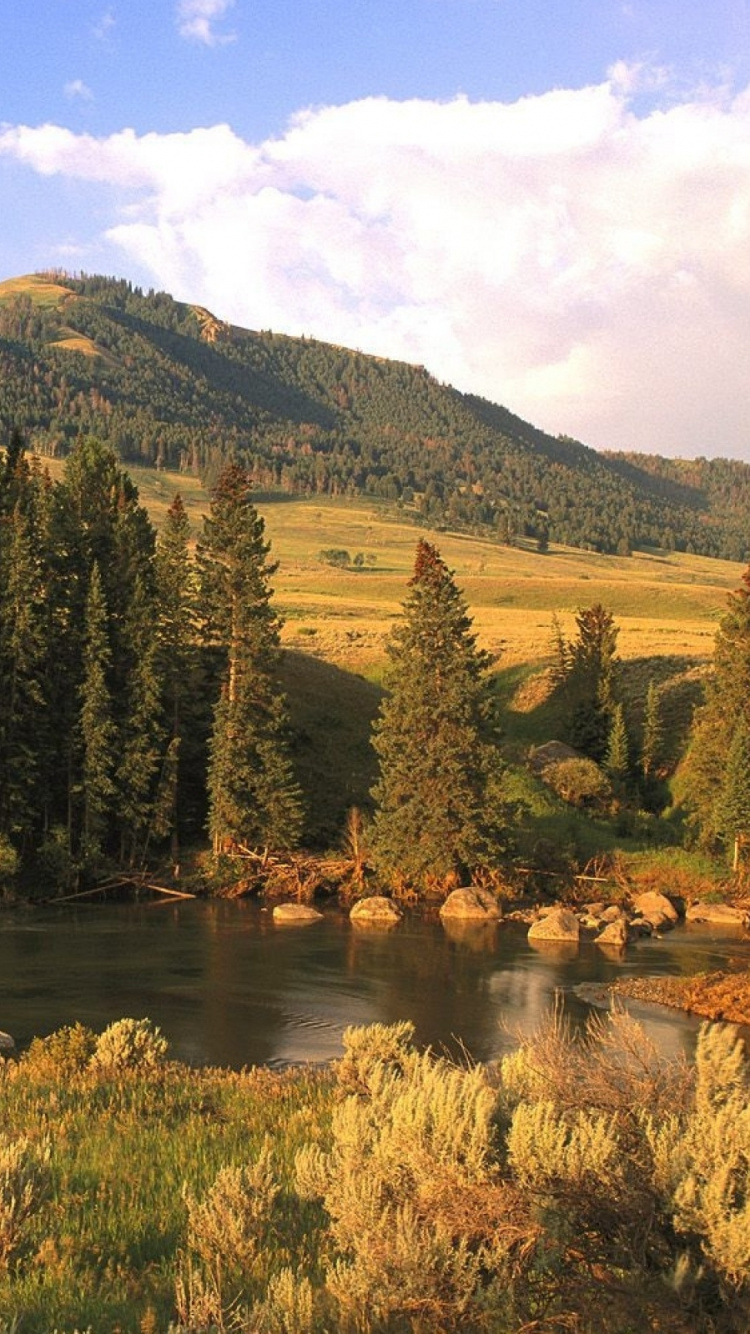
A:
418, 1214
226, 1232
129, 1045
24, 1180
584, 1184
703, 1163
62, 1056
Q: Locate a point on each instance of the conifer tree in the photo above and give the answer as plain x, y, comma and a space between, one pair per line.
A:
653, 733
733, 814
590, 684
142, 731
97, 729
23, 656
177, 662
438, 797
716, 722
617, 760
253, 795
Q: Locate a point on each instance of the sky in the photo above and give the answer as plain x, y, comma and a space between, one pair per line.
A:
544, 202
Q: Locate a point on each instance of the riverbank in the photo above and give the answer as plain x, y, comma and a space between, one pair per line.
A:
716, 996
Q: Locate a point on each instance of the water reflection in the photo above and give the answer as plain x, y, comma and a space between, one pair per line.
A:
228, 987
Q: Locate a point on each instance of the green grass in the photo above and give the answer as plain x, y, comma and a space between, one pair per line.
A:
101, 1250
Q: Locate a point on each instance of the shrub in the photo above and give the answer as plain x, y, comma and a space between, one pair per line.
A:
9, 861
580, 782
129, 1045
61, 1056
421, 1223
228, 1232
24, 1181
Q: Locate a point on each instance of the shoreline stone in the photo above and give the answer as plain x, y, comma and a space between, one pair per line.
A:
295, 914
471, 905
376, 910
559, 924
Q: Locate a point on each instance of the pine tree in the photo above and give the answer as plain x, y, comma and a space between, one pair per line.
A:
591, 681
142, 731
653, 733
23, 656
253, 795
617, 760
438, 797
97, 729
727, 702
177, 662
733, 809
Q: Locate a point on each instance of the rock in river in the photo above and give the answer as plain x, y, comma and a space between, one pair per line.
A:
557, 924
475, 905
295, 914
376, 910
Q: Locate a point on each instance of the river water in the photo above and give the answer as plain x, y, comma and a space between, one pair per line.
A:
229, 988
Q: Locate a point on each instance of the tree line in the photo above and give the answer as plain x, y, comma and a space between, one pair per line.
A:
142, 702
163, 388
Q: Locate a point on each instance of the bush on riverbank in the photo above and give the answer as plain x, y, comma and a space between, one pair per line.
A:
396, 1192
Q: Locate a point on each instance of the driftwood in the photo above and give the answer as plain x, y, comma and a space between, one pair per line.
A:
138, 880
295, 875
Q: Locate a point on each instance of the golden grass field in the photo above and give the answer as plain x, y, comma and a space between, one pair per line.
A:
665, 603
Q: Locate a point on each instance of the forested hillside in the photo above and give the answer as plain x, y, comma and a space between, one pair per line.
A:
169, 384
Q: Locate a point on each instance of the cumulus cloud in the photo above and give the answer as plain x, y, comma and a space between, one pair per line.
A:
196, 20
583, 264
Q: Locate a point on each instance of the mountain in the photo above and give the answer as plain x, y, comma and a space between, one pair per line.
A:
170, 384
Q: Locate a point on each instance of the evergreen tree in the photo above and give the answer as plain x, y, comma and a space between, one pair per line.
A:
590, 684
617, 760
438, 796
23, 657
97, 729
714, 728
177, 661
733, 813
253, 796
653, 733
142, 730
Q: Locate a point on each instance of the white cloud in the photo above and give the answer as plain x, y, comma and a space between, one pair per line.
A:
104, 26
77, 89
196, 20
587, 266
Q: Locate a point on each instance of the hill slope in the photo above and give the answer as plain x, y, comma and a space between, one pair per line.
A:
169, 384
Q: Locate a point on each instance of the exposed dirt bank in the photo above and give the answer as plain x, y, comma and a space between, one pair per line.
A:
724, 995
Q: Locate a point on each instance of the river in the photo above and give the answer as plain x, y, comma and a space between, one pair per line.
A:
229, 988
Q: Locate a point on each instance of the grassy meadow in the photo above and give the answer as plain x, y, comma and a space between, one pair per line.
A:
665, 603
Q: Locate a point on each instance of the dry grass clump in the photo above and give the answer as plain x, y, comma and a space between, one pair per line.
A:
24, 1182
129, 1045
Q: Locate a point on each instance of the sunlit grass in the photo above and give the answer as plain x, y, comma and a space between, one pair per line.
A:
103, 1245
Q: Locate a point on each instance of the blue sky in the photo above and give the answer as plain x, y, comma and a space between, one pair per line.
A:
544, 201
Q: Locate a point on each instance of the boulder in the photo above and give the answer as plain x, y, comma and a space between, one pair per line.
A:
552, 752
614, 933
376, 910
719, 914
471, 905
656, 909
611, 914
557, 924
640, 926
7, 1043
295, 914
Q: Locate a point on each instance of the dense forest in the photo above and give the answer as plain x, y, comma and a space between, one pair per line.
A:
169, 384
